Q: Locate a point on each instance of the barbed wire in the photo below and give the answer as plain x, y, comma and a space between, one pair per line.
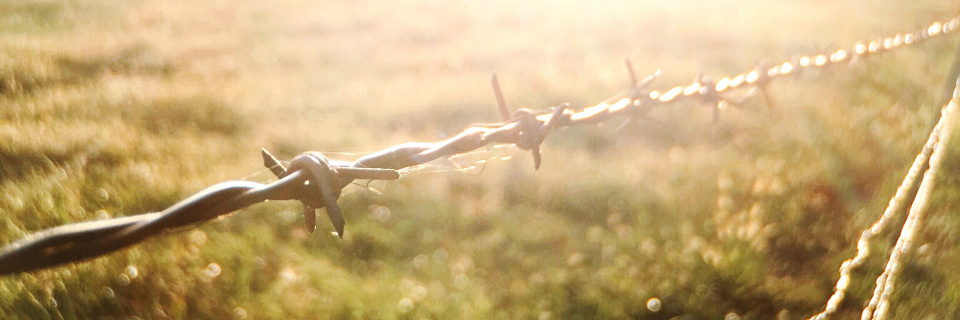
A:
929, 157
880, 302
317, 181
79, 241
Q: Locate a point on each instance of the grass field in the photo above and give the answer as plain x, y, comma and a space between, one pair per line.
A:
113, 108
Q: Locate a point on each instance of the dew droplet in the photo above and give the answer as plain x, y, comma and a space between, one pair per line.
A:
653, 304
461, 281
418, 293
545, 315
197, 237
406, 285
380, 213
102, 195
47, 203
159, 313
421, 262
123, 280
213, 270
240, 313
288, 275
783, 314
259, 263
440, 255
405, 305
131, 271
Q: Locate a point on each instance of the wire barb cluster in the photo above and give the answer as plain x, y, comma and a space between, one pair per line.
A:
317, 182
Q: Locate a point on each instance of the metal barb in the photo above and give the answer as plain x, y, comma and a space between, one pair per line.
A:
501, 103
309, 218
322, 176
326, 182
708, 95
272, 163
532, 133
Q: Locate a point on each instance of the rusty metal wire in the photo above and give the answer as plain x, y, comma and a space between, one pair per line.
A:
317, 182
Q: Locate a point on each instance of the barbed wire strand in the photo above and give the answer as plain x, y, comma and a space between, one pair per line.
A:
880, 302
317, 181
905, 192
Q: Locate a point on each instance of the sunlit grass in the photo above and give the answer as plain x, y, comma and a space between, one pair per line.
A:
115, 108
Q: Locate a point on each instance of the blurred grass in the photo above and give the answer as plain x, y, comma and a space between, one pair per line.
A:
112, 108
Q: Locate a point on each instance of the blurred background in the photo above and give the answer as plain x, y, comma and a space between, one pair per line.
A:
114, 108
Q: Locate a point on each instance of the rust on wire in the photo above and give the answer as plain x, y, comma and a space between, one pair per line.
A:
317, 181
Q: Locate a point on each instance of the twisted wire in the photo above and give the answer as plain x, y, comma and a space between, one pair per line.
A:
317, 181
880, 302
85, 240
637, 100
898, 203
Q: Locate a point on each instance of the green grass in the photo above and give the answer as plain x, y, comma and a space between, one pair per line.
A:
113, 108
